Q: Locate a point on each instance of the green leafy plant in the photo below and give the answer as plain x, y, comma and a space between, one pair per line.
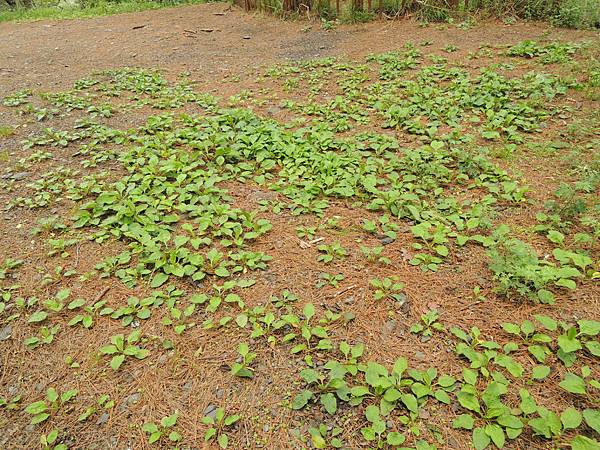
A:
218, 426
308, 332
330, 279
44, 337
374, 255
50, 441
43, 409
331, 251
120, 348
241, 369
8, 265
103, 403
581, 385
10, 403
499, 422
554, 52
517, 268
388, 288
17, 98
429, 324
433, 237
322, 438
165, 428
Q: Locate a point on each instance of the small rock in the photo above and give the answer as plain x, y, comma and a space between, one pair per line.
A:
187, 387
102, 419
349, 300
420, 356
258, 195
20, 175
5, 332
424, 414
266, 428
452, 443
425, 338
388, 328
210, 411
401, 299
387, 240
130, 400
220, 393
273, 110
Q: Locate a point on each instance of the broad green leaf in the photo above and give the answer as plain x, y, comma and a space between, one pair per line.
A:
38, 316
210, 433
568, 344
480, 439
570, 418
36, 407
302, 399
395, 438
592, 418
223, 440
511, 328
593, 347
154, 437
174, 436
584, 443
372, 413
442, 396
308, 311
548, 323
169, 421
329, 403
540, 372
52, 395
465, 421
573, 384
230, 420
496, 433
39, 418
318, 441
410, 401
589, 327
116, 361
159, 279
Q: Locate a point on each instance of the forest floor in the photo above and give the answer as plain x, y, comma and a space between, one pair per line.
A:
383, 235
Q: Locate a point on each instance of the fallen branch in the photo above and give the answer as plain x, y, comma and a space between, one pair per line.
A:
352, 286
101, 294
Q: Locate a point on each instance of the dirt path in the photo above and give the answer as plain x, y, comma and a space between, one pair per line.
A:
48, 54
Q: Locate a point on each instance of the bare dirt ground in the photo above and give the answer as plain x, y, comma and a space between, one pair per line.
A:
223, 50
53, 54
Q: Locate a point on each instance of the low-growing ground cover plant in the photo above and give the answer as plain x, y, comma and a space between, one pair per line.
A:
379, 269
